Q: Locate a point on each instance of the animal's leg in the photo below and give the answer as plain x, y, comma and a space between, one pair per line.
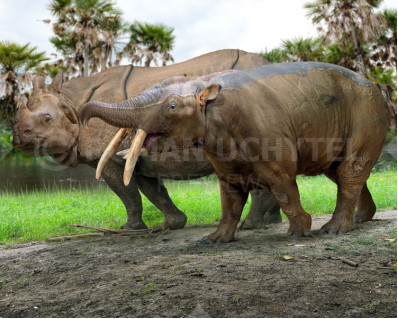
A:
350, 177
273, 215
233, 199
156, 192
366, 206
130, 196
343, 216
264, 210
287, 195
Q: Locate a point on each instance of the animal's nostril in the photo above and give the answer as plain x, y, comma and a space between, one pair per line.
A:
15, 139
27, 132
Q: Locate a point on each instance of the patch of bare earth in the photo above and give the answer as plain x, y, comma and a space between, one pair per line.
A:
172, 275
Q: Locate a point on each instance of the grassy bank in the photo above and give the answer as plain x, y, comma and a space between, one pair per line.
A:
42, 214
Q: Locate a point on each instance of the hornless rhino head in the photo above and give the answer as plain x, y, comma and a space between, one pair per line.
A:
169, 115
47, 123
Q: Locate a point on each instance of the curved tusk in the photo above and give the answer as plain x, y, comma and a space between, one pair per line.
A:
132, 157
111, 149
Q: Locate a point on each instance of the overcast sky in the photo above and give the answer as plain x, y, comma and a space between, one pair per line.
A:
200, 26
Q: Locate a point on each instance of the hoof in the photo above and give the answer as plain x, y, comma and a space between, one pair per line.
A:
307, 233
220, 237
175, 221
360, 218
134, 226
252, 224
205, 241
331, 232
299, 233
335, 228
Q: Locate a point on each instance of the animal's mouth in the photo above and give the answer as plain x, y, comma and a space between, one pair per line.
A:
37, 146
150, 138
22, 143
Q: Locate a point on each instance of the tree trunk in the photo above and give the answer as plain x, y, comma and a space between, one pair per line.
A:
358, 51
86, 60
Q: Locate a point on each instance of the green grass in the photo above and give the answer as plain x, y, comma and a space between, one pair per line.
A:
42, 214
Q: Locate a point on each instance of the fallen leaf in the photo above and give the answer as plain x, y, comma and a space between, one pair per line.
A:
387, 239
299, 245
287, 257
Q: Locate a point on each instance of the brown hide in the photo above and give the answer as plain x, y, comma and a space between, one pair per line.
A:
273, 122
118, 83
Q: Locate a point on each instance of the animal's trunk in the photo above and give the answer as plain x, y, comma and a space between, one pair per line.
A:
128, 114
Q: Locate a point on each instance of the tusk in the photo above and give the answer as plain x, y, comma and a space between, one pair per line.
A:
124, 153
132, 157
111, 149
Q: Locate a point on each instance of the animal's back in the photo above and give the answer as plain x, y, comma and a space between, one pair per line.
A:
119, 83
326, 111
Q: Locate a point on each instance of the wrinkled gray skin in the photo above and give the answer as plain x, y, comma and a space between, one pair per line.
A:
46, 124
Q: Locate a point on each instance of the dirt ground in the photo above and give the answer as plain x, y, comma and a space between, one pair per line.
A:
170, 274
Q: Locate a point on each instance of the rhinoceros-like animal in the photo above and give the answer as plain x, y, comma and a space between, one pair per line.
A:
278, 121
47, 124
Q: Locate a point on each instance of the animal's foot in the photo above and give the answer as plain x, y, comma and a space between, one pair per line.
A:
336, 227
219, 237
175, 221
362, 217
300, 225
252, 224
299, 232
134, 225
272, 218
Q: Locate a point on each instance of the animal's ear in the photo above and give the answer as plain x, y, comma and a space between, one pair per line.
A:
57, 82
70, 113
38, 82
22, 101
209, 93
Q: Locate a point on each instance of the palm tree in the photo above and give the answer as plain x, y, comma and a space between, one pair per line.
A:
301, 49
350, 22
385, 49
150, 41
275, 55
51, 69
16, 63
384, 56
85, 32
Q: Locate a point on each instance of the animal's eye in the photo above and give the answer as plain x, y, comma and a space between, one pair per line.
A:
173, 106
46, 118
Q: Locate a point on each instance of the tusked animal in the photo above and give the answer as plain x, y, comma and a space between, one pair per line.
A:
47, 124
275, 121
